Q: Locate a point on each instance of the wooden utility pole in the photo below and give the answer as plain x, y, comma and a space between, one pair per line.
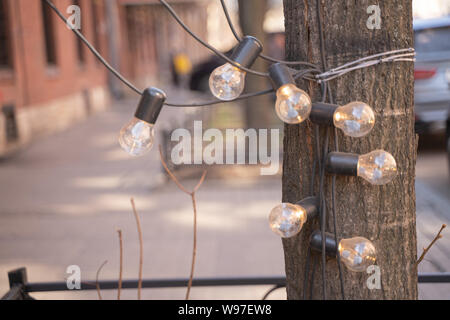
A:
383, 214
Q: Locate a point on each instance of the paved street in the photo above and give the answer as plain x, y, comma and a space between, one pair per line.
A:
63, 198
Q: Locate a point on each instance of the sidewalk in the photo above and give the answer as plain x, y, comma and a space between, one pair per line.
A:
62, 199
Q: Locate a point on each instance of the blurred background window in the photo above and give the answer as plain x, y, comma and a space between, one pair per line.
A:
5, 45
80, 45
49, 34
95, 26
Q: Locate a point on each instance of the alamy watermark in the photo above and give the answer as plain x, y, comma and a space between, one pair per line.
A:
374, 21
74, 20
73, 281
374, 280
228, 148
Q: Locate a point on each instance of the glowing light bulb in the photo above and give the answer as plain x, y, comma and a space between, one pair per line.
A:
357, 253
287, 219
137, 137
293, 105
377, 167
227, 82
356, 119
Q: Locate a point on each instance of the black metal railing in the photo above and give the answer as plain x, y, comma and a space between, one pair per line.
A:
20, 288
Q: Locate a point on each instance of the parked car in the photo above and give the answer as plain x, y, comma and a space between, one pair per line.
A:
432, 74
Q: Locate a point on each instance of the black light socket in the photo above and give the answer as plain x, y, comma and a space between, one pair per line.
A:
311, 206
247, 51
279, 75
323, 113
331, 247
150, 105
342, 163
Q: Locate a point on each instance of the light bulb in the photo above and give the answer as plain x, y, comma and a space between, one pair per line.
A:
137, 137
293, 105
356, 119
377, 167
227, 82
357, 253
287, 219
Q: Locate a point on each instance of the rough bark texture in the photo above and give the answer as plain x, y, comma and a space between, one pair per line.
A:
383, 214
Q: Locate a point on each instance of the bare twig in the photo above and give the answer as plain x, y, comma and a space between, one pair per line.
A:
141, 247
97, 285
194, 206
120, 263
425, 250
194, 249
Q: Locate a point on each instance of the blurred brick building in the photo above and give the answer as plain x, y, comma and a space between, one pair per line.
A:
49, 79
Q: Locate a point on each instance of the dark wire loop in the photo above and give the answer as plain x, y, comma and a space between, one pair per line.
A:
333, 183
129, 84
269, 292
138, 91
333, 204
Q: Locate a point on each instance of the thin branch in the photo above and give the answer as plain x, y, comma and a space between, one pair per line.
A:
200, 182
121, 263
425, 250
194, 206
171, 175
194, 249
97, 284
141, 247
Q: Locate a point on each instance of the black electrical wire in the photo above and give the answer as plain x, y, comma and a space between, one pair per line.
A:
213, 102
265, 57
94, 51
336, 143
333, 204
138, 91
306, 275
129, 84
323, 212
311, 293
230, 23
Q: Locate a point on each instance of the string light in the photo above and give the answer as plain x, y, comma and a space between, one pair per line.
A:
137, 136
377, 167
227, 82
356, 253
287, 219
355, 119
293, 105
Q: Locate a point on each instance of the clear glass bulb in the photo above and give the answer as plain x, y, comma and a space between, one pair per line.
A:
357, 253
378, 167
293, 105
227, 82
356, 119
137, 137
287, 219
